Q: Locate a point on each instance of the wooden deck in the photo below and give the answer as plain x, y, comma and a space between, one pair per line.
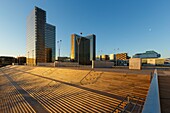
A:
164, 89
35, 89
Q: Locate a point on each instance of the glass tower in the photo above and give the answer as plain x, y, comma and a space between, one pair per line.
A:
74, 46
50, 43
92, 39
86, 47
35, 46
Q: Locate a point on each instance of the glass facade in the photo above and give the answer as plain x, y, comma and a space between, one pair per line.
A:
74, 46
35, 46
87, 48
92, 39
147, 54
50, 43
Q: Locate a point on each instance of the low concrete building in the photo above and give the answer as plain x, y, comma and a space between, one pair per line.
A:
112, 56
167, 61
157, 61
21, 60
104, 57
144, 61
98, 57
6, 60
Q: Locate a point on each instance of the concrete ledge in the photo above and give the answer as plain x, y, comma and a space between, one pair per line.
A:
46, 64
65, 64
102, 64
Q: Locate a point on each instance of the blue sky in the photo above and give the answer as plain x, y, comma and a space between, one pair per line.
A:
133, 26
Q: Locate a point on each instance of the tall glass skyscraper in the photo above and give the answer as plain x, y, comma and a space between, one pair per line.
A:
50, 43
92, 39
36, 37
83, 48
74, 46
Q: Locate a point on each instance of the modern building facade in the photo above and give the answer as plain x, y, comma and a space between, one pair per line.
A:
48, 55
112, 57
156, 61
6, 60
147, 54
74, 46
92, 39
104, 57
122, 56
83, 49
37, 37
50, 43
21, 60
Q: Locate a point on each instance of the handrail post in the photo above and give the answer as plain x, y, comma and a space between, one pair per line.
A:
151, 76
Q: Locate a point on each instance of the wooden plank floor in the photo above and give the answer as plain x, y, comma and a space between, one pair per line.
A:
11, 101
164, 89
61, 95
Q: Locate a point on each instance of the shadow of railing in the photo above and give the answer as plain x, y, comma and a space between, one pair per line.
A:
91, 77
77, 86
47, 72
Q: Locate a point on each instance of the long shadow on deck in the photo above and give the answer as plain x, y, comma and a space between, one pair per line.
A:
33, 102
78, 86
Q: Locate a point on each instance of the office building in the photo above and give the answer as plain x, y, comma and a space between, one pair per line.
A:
156, 61
92, 39
36, 36
83, 49
97, 57
6, 60
74, 46
48, 55
50, 43
112, 57
167, 61
39, 38
104, 57
122, 56
147, 54
21, 60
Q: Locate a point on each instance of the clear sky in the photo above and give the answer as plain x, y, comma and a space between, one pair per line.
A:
133, 26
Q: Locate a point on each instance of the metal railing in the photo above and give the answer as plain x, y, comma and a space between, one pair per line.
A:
130, 104
152, 103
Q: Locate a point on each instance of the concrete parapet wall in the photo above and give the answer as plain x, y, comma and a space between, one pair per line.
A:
46, 64
65, 64
14, 64
102, 64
